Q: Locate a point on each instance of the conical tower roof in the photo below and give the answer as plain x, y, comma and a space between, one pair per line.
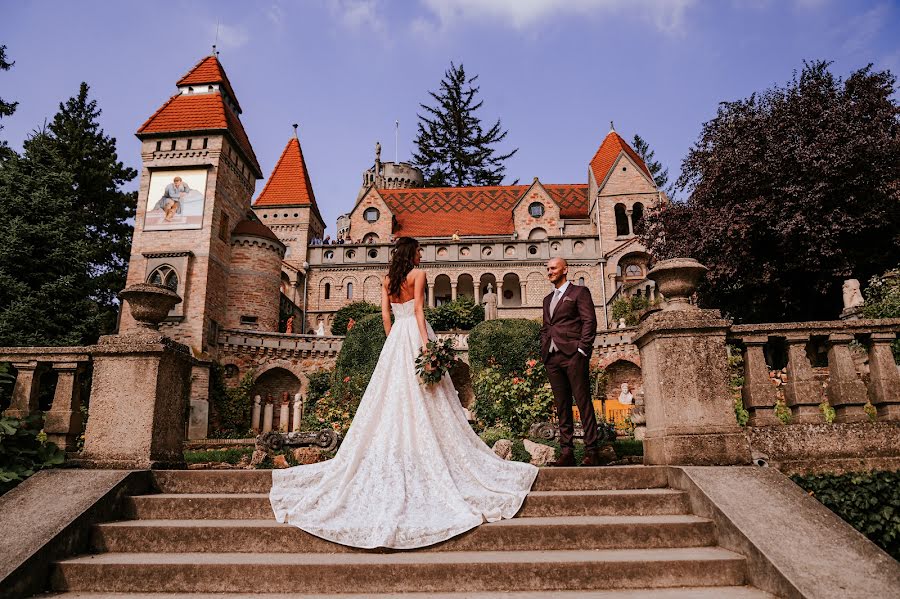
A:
608, 153
289, 183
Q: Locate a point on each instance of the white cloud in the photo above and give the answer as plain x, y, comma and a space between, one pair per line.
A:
275, 14
359, 14
229, 36
666, 15
861, 30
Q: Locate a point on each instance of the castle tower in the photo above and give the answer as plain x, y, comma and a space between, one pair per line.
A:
199, 173
390, 175
254, 278
287, 204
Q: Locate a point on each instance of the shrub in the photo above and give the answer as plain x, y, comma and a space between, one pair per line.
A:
869, 502
513, 402
24, 450
230, 456
231, 406
355, 310
460, 314
504, 345
629, 308
883, 301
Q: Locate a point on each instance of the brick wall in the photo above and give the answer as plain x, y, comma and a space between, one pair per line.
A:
254, 283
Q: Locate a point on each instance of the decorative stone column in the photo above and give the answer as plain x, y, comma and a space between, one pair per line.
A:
758, 394
140, 389
802, 393
63, 422
884, 378
256, 414
846, 393
500, 293
284, 414
431, 295
523, 293
477, 291
268, 414
629, 212
688, 406
298, 413
453, 285
25, 392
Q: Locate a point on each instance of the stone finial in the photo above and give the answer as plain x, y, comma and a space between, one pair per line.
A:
612, 127
295, 125
149, 303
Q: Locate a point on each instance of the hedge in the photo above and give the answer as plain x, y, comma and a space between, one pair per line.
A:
360, 350
504, 344
355, 310
460, 314
869, 502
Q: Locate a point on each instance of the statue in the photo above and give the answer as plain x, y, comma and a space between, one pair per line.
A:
622, 324
625, 396
289, 325
490, 303
853, 300
377, 151
320, 331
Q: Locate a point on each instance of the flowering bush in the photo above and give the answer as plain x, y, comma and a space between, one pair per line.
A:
338, 406
514, 401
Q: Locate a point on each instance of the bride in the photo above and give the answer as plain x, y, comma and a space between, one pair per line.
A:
411, 471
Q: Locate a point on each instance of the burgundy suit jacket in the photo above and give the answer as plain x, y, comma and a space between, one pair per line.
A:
574, 323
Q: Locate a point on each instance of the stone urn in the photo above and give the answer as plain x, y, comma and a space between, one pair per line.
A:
149, 303
677, 280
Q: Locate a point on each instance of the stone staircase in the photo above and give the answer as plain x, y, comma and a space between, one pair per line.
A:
598, 533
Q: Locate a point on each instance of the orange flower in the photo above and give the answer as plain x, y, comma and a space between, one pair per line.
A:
346, 379
531, 363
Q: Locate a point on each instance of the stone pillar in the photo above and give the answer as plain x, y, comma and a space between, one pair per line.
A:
884, 378
25, 392
477, 291
688, 406
256, 414
284, 414
523, 293
63, 422
802, 393
198, 422
431, 295
139, 402
453, 285
629, 212
298, 413
268, 413
846, 393
758, 393
500, 293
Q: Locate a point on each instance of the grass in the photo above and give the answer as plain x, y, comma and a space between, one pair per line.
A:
231, 456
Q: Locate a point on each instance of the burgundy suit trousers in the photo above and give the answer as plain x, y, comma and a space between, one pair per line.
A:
569, 377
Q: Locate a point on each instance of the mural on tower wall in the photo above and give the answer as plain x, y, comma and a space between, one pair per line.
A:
176, 200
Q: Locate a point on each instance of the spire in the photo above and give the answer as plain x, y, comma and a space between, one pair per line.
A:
295, 125
289, 183
612, 127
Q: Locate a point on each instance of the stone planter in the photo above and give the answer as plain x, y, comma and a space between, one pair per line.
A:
149, 304
677, 280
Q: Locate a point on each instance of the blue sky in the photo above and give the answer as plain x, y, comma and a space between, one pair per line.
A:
555, 71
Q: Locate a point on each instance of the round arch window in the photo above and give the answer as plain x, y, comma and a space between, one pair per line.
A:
532, 249
329, 255
350, 254
373, 253
164, 275
371, 215
536, 209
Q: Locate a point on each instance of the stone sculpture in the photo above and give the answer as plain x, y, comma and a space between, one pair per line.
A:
625, 396
853, 300
490, 303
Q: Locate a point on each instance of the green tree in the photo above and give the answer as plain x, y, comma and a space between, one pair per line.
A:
453, 148
354, 310
102, 210
659, 172
790, 191
44, 256
6, 108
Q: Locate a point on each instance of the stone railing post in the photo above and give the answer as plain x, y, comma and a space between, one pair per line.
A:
688, 407
256, 414
284, 413
884, 378
298, 413
140, 390
758, 394
63, 422
25, 392
846, 393
198, 422
802, 393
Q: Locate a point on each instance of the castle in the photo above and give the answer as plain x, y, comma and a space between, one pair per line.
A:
246, 269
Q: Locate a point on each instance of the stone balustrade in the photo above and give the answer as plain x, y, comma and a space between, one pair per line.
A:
278, 344
63, 423
845, 390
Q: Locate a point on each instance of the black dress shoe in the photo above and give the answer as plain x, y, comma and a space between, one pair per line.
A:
591, 458
566, 459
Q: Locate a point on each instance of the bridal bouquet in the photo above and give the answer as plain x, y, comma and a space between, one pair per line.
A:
435, 360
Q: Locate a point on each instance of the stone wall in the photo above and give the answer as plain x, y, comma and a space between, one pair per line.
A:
254, 284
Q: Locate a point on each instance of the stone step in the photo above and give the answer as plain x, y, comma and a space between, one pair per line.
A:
517, 534
730, 592
549, 479
367, 573
256, 506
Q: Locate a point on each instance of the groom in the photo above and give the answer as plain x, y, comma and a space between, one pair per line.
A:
567, 339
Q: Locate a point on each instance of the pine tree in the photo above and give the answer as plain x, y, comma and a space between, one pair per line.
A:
660, 174
6, 108
103, 211
453, 147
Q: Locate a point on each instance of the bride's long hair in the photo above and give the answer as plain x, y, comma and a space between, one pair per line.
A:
402, 262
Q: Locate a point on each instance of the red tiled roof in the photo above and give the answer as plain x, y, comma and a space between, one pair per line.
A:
607, 154
200, 112
250, 227
209, 70
440, 211
289, 183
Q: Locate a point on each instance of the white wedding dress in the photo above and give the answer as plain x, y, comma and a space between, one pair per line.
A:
411, 471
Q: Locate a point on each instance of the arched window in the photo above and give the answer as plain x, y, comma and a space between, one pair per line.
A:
537, 233
581, 281
621, 220
349, 290
637, 214
633, 271
164, 275
327, 290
